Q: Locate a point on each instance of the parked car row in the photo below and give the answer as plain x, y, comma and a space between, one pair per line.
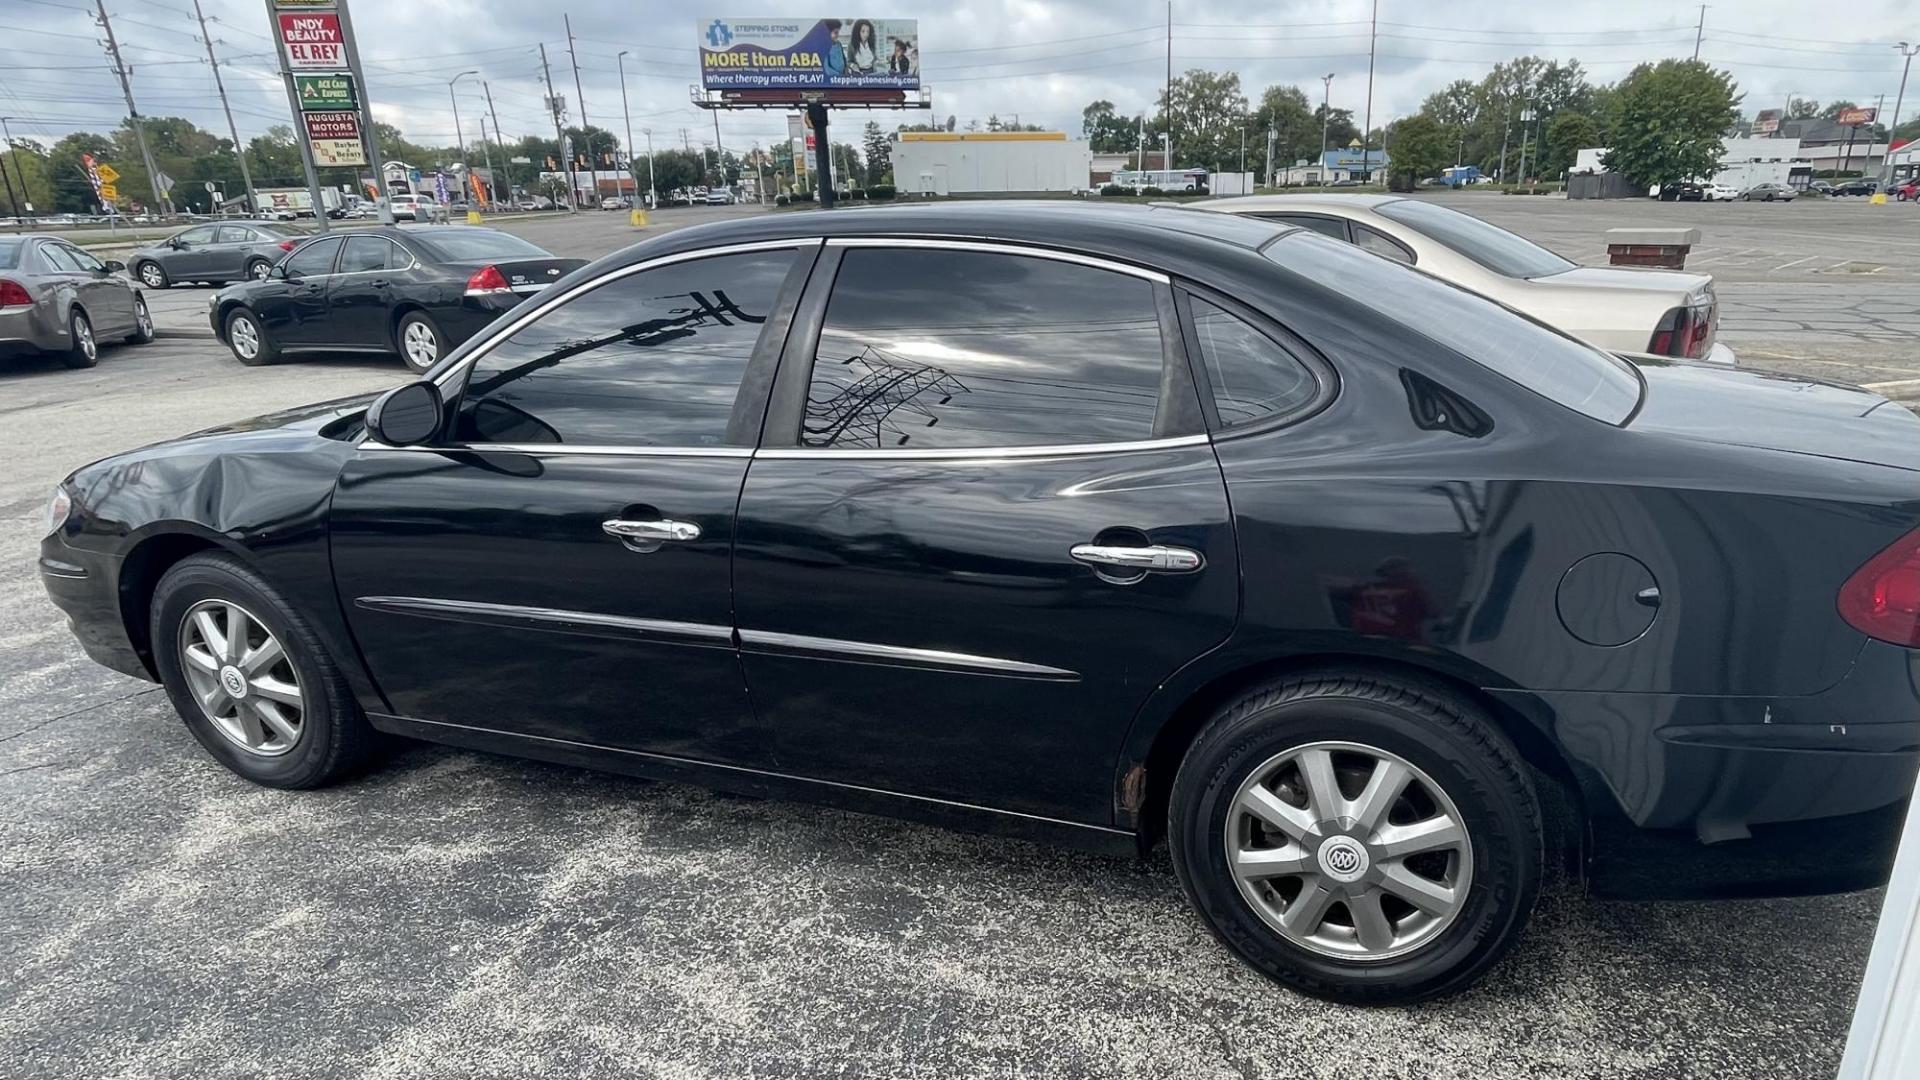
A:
57, 298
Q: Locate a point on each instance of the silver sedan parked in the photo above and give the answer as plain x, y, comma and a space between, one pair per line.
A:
215, 253
56, 298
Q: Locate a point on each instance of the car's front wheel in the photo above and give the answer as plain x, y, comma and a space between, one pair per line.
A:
153, 275
248, 339
251, 678
1365, 839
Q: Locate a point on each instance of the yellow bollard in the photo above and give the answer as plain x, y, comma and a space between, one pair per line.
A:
1879, 198
474, 218
637, 218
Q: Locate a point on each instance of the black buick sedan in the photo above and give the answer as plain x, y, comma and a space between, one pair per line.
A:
417, 292
1089, 524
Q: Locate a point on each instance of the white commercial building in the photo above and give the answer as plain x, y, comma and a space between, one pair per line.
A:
1743, 162
957, 162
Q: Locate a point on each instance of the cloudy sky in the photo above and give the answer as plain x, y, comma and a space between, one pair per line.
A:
1041, 60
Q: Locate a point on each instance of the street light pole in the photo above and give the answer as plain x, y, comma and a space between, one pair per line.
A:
459, 141
653, 189
621, 61
1886, 160
1326, 113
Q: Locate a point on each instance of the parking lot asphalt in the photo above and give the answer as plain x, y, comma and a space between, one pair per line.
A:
455, 914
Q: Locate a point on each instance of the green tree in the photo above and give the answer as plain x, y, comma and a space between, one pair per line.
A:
26, 166
1207, 111
1668, 121
1284, 110
1107, 130
275, 158
1802, 108
1419, 147
878, 151
1340, 129
72, 193
677, 169
1566, 135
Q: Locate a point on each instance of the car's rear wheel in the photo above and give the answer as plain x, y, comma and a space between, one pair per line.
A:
153, 275
258, 269
82, 350
248, 339
420, 342
251, 679
1364, 839
142, 323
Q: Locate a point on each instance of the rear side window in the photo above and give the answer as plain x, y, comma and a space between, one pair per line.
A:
1253, 378
652, 359
1325, 226
926, 349
367, 253
1381, 244
57, 256
236, 234
1542, 359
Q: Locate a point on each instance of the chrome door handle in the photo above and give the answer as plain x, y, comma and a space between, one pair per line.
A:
1157, 559
648, 535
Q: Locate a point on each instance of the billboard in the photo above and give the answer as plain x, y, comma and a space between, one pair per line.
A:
312, 40
1766, 122
809, 54
1855, 117
335, 137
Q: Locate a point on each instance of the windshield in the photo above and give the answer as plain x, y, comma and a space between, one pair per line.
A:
1532, 354
1489, 245
9, 254
478, 245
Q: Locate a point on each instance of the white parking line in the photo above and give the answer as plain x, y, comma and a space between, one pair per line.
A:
1795, 262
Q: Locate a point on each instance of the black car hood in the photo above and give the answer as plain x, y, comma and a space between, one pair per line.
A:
306, 419
1779, 412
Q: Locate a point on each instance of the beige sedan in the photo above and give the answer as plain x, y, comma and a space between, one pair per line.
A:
1665, 313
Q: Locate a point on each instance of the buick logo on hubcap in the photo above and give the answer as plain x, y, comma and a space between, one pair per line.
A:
234, 683
1343, 859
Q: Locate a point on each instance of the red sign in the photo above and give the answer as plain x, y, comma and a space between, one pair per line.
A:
332, 125
312, 40
1855, 117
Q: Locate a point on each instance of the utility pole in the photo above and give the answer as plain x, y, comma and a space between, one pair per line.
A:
239, 151
621, 62
25, 195
13, 203
1506, 129
160, 199
1699, 31
1166, 108
719, 152
1886, 160
507, 165
486, 148
1270, 134
559, 136
1526, 129
593, 170
1366, 130
653, 190
1326, 113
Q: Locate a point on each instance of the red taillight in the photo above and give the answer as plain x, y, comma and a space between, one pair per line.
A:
1684, 331
13, 294
287, 245
487, 281
1882, 598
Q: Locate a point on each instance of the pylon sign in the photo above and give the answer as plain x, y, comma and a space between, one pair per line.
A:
325, 92
311, 39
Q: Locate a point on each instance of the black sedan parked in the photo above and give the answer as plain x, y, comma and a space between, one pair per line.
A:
417, 292
1088, 524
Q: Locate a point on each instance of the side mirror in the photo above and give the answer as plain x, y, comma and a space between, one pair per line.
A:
114, 266
407, 415
176, 243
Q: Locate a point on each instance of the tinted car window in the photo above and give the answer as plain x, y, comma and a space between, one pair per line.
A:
58, 257
479, 246
236, 234
925, 349
1489, 245
1379, 243
313, 259
654, 359
80, 258
1334, 227
1253, 377
1537, 357
365, 253
202, 235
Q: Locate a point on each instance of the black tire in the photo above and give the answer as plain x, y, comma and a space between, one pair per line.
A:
1427, 725
257, 269
334, 737
83, 350
417, 322
264, 351
152, 275
142, 322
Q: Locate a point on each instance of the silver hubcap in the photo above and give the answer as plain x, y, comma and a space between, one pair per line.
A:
151, 275
246, 338
258, 270
144, 317
242, 678
1349, 851
83, 334
420, 347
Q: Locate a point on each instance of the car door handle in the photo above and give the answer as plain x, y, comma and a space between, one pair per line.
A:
1156, 559
648, 535
379, 283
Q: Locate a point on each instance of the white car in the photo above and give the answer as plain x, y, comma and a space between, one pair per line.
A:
1667, 313
720, 197
1719, 192
414, 207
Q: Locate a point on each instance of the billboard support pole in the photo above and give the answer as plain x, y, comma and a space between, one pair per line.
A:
300, 136
822, 155
368, 138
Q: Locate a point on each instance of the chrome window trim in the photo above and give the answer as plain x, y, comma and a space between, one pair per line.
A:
896, 655
1001, 247
566, 449
508, 328
985, 453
